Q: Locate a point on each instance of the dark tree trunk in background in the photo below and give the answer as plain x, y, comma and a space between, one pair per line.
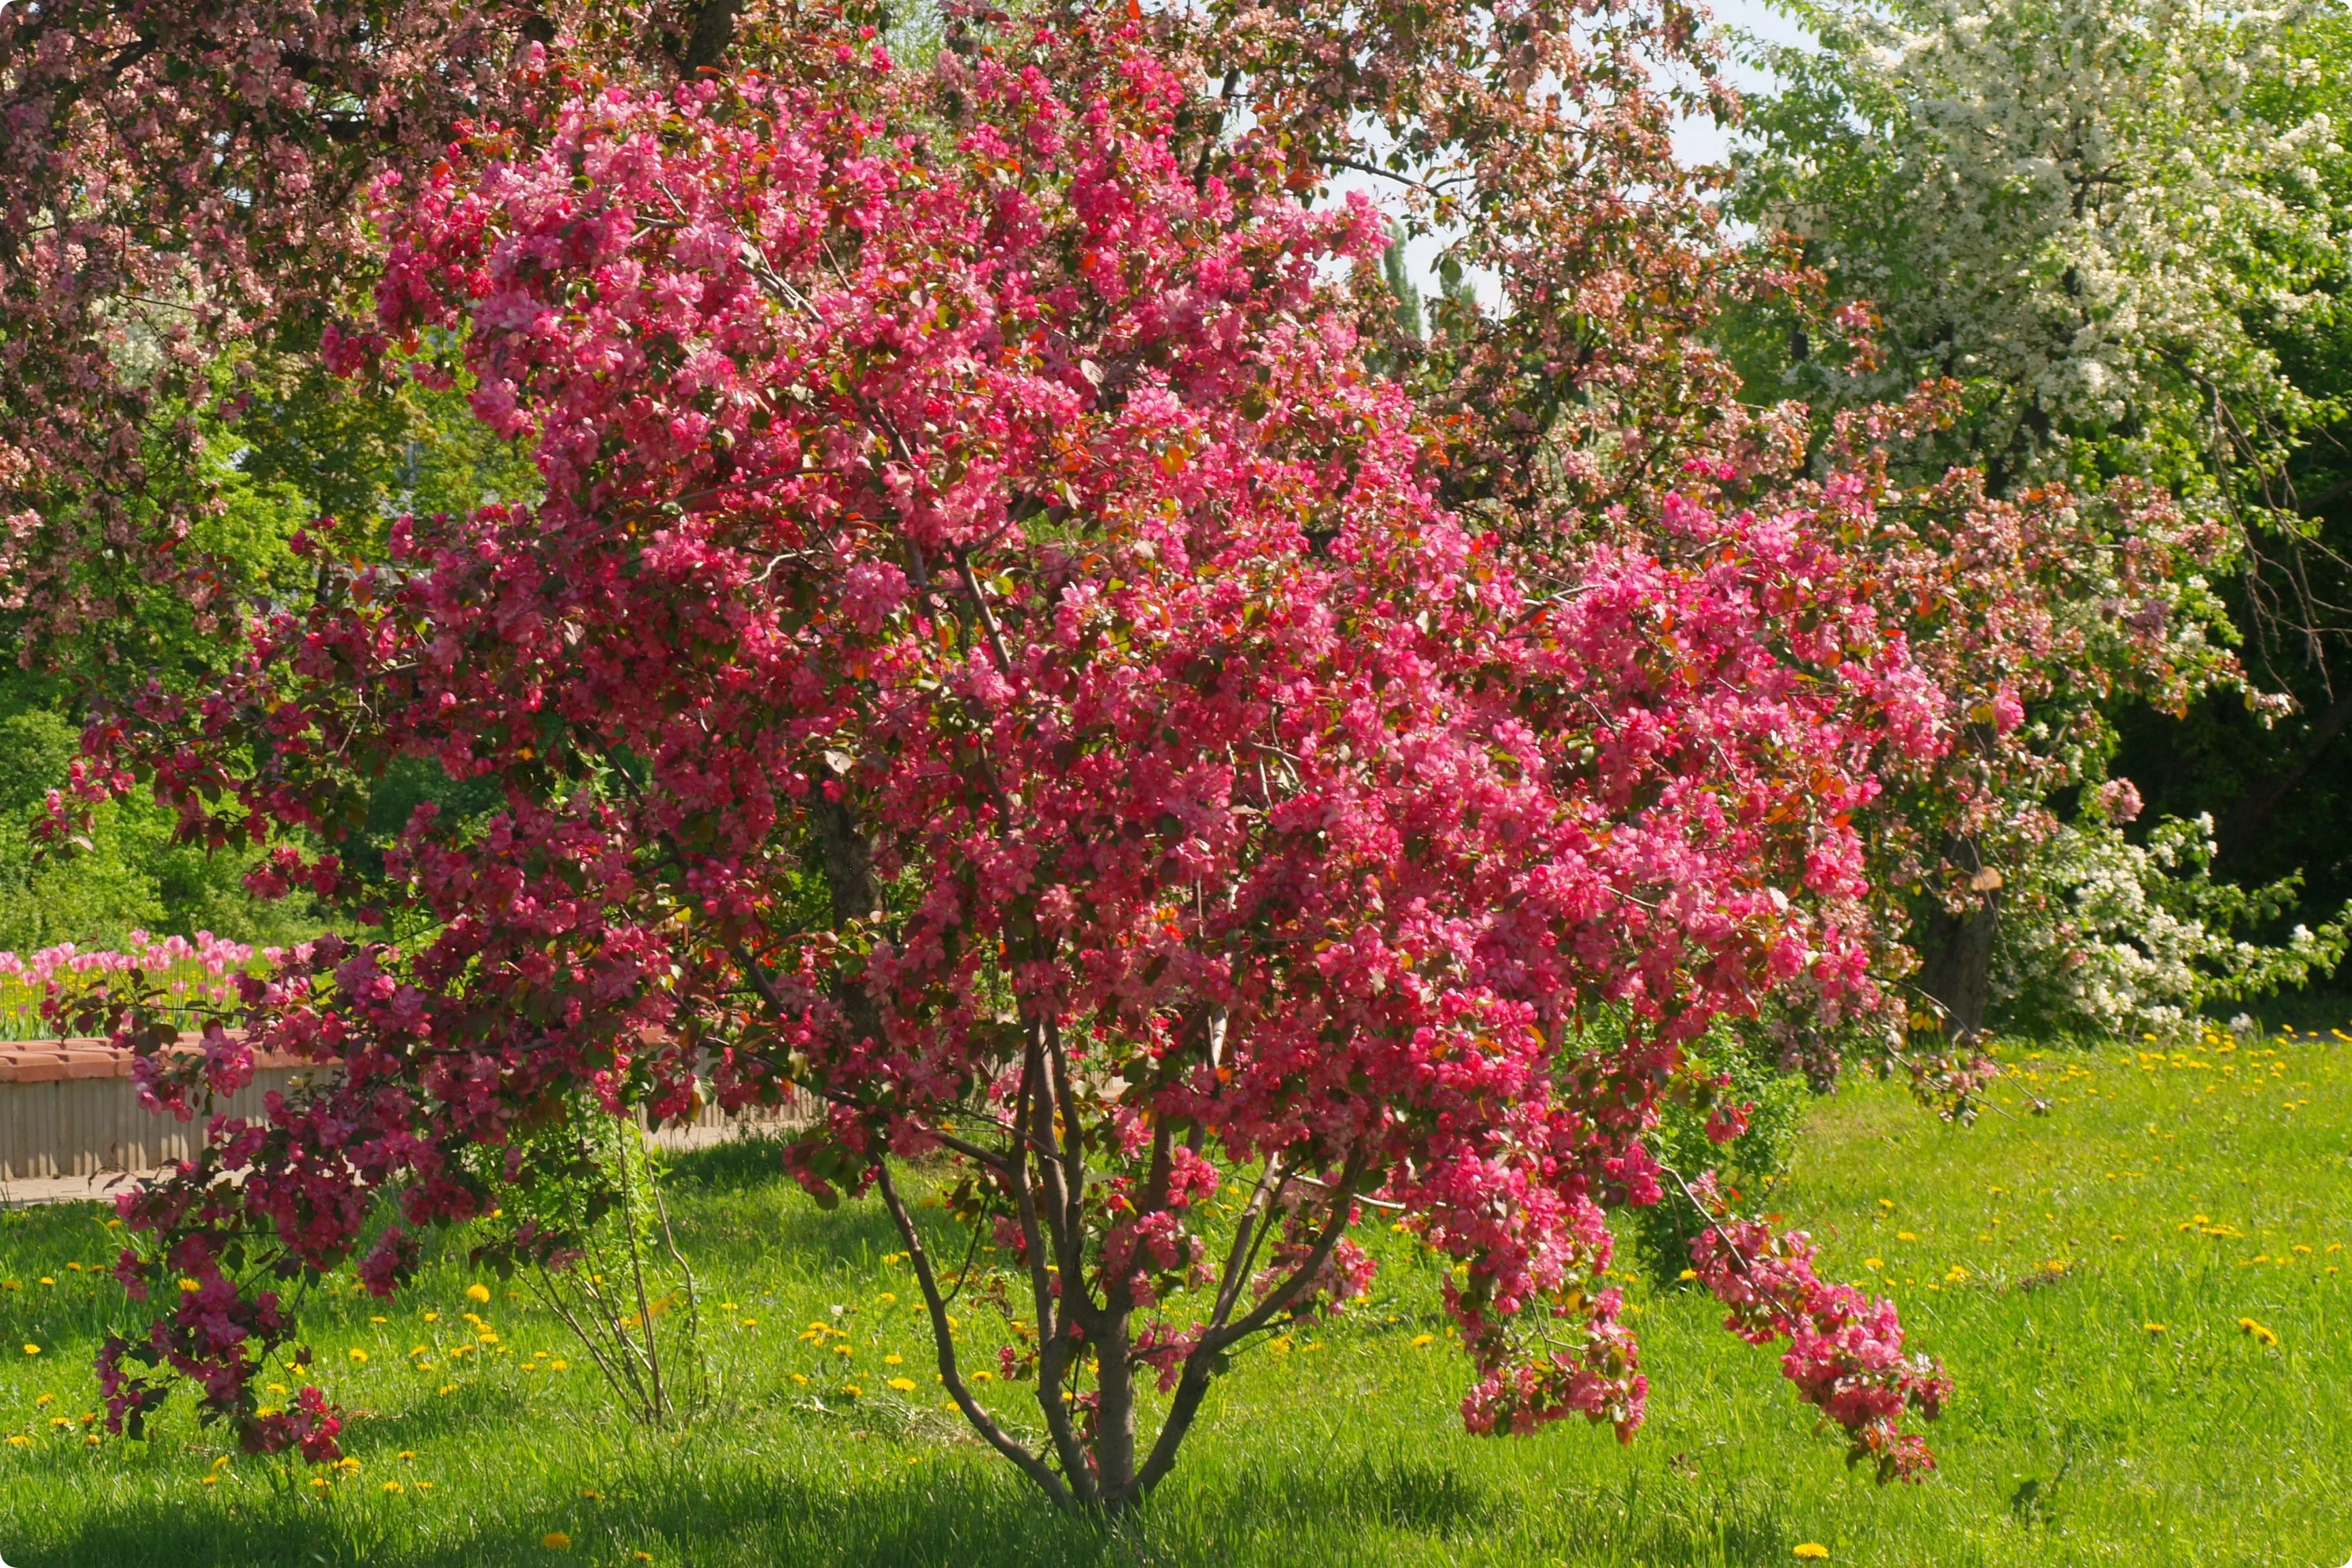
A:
714, 32
1956, 948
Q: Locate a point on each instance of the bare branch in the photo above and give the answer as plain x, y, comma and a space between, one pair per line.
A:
951, 1373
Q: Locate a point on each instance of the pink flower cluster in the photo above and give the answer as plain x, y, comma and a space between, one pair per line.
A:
205, 953
1845, 1348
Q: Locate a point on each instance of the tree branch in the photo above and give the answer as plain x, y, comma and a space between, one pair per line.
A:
1199, 1367
951, 1373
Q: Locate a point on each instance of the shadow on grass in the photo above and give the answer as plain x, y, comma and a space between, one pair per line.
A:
730, 1509
736, 1165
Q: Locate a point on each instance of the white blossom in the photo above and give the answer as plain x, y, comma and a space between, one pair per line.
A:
2080, 207
2128, 939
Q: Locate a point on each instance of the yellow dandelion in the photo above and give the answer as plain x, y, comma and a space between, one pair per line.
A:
1874, 1263
1814, 1551
894, 1360
45, 1399
46, 1280
852, 1391
424, 1486
359, 1355
449, 1388
189, 1287
480, 1294
431, 1317
2155, 1328
393, 1488
32, 1350
556, 1541
1687, 1274
1421, 1339
558, 1364
903, 1384
20, 1441
1905, 1236
212, 1481
2263, 1336
592, 1494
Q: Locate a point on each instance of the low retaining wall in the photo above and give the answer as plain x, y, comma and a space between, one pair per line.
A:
68, 1112
68, 1108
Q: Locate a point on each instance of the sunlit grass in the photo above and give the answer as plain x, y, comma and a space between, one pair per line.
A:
2084, 1274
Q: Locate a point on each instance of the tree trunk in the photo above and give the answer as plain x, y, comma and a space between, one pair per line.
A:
1956, 948
714, 33
1115, 1420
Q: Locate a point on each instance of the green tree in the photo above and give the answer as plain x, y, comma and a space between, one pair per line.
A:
301, 445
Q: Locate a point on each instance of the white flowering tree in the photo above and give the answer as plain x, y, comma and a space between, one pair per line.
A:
2096, 215
2130, 939
2120, 226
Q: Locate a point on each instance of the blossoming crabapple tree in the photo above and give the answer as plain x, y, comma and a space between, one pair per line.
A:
990, 657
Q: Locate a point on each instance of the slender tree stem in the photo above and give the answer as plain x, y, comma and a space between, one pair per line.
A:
951, 1373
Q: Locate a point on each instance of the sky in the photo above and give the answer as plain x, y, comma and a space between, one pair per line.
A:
1701, 141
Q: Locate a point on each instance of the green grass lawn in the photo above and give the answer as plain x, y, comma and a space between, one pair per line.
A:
2034, 1253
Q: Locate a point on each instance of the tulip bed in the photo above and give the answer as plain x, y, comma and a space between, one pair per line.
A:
2143, 1292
